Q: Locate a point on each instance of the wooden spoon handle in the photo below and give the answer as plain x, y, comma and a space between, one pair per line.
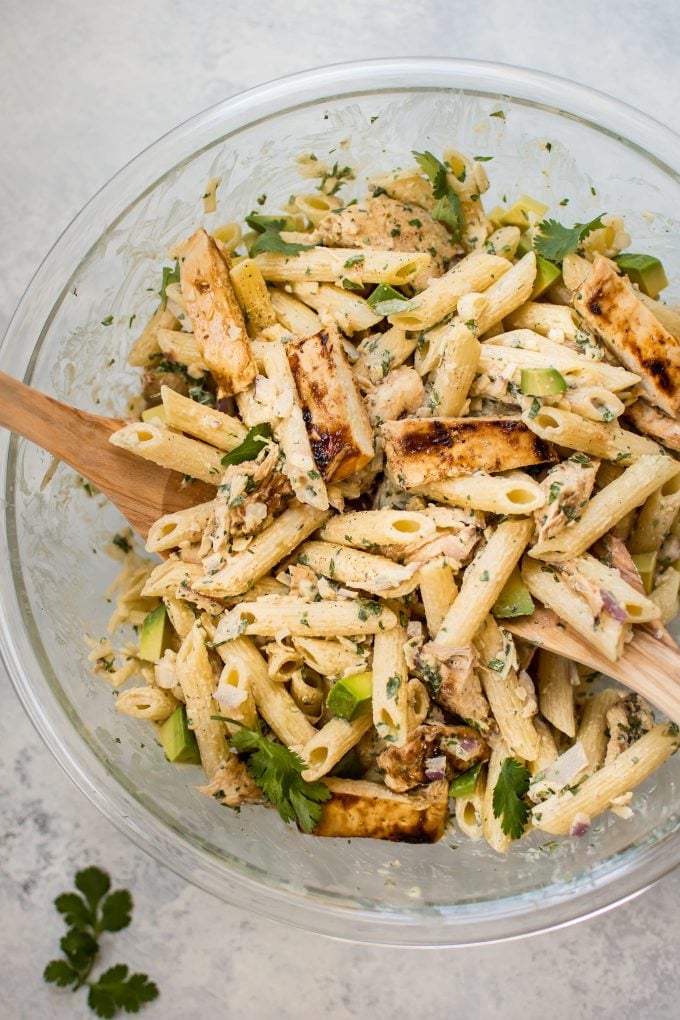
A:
648, 666
71, 435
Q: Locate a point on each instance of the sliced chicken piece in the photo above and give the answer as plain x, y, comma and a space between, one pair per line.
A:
340, 433
232, 785
652, 422
568, 487
424, 450
608, 304
407, 766
627, 721
215, 313
400, 393
361, 808
385, 223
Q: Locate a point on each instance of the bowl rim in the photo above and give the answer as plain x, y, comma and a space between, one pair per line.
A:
614, 881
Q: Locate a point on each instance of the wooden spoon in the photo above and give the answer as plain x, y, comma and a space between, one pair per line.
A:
141, 490
649, 665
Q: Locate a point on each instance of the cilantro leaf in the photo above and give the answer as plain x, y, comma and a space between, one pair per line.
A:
251, 446
270, 241
278, 773
447, 208
385, 300
435, 170
170, 275
260, 222
93, 883
76, 913
555, 242
59, 972
508, 797
79, 947
116, 911
115, 990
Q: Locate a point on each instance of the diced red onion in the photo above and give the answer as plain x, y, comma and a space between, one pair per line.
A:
616, 611
435, 768
223, 405
580, 824
467, 747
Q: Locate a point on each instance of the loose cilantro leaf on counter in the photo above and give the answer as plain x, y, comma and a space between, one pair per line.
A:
170, 275
278, 773
97, 910
447, 208
251, 445
508, 797
555, 242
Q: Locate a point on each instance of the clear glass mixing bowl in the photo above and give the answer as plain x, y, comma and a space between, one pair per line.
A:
602, 156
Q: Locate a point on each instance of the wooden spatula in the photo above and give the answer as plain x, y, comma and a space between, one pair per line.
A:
142, 491
650, 666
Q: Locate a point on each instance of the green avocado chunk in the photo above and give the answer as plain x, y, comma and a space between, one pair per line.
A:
351, 696
464, 784
155, 635
514, 600
546, 274
541, 382
178, 741
645, 270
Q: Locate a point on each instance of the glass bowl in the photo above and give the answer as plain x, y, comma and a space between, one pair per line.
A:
603, 157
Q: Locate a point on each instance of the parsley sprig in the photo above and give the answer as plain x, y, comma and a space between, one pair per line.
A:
278, 773
508, 797
88, 916
447, 207
555, 242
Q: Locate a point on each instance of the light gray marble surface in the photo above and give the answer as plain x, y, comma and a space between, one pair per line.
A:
84, 86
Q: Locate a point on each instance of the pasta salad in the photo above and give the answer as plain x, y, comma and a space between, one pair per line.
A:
422, 421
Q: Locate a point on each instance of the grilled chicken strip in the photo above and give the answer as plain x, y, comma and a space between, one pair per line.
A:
215, 313
424, 450
608, 304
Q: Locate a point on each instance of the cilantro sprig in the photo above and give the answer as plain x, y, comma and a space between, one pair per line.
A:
88, 916
555, 242
269, 230
508, 797
278, 773
447, 207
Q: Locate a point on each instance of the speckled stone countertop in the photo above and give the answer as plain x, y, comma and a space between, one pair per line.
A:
84, 87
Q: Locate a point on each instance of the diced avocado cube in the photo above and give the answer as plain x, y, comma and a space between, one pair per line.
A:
349, 767
525, 245
155, 635
514, 600
156, 413
546, 274
464, 784
496, 216
351, 696
646, 566
178, 741
525, 211
541, 382
645, 270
